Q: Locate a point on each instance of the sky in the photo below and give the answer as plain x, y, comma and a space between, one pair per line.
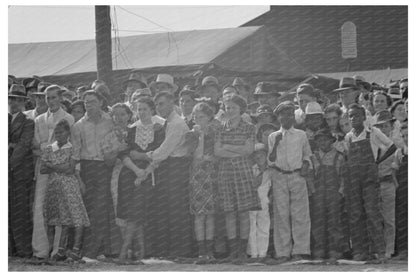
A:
61, 23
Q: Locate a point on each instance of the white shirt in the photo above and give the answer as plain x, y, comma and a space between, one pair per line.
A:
378, 140
172, 146
292, 149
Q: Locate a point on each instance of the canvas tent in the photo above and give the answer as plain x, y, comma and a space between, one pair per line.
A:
231, 52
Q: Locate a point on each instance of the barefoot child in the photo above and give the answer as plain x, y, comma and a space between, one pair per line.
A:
326, 200
63, 202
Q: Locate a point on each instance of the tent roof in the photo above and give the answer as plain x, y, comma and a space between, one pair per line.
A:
243, 45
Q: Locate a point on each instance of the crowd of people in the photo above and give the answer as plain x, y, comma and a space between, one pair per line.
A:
210, 172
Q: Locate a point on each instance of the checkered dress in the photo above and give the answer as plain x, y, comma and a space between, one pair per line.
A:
236, 184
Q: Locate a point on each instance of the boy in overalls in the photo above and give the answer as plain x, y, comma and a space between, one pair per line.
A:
362, 191
328, 165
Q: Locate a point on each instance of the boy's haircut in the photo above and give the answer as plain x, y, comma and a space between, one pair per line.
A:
67, 105
80, 103
333, 108
357, 107
205, 109
189, 93
263, 128
165, 94
63, 123
56, 88
94, 93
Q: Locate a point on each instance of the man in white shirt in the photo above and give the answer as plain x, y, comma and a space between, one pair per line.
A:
40, 100
44, 126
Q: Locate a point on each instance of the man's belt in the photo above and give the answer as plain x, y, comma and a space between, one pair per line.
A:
284, 171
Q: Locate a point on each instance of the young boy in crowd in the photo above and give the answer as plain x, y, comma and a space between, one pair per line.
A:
384, 121
314, 120
362, 193
258, 241
289, 158
400, 177
264, 131
328, 164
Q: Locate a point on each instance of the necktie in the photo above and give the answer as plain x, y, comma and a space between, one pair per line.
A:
272, 156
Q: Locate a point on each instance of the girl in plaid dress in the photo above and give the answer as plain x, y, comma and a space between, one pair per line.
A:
203, 195
234, 143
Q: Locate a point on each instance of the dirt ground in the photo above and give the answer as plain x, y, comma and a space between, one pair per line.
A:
17, 264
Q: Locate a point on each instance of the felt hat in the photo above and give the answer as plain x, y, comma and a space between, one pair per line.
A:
313, 108
229, 89
238, 81
284, 106
17, 91
264, 109
265, 88
383, 117
324, 133
307, 89
41, 88
346, 83
360, 80
135, 77
141, 92
164, 78
31, 82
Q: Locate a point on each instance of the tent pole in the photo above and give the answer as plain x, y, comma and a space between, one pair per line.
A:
103, 46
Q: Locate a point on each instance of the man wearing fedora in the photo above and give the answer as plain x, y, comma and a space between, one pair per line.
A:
41, 106
20, 169
44, 126
305, 93
264, 115
348, 92
265, 93
31, 85
134, 82
243, 88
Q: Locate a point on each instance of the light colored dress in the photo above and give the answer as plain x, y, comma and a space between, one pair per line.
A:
63, 201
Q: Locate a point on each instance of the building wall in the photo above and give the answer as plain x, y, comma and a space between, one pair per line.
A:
311, 36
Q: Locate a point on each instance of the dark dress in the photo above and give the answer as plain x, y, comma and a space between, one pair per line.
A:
134, 201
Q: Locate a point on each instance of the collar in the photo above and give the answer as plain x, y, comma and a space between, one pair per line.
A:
49, 113
284, 131
55, 146
171, 116
102, 114
366, 129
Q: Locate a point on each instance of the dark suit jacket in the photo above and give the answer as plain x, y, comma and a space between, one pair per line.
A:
21, 133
